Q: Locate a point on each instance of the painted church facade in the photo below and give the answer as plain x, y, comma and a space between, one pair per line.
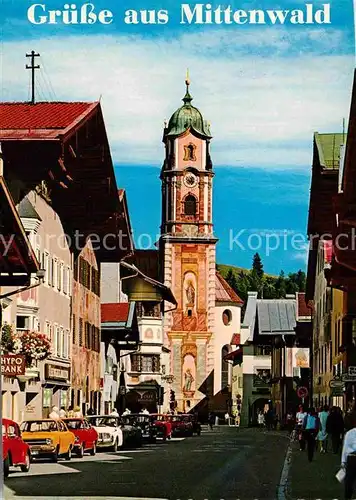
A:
199, 331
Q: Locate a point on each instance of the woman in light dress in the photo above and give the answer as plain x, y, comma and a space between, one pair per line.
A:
322, 434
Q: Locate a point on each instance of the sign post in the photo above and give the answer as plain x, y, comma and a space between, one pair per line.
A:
302, 393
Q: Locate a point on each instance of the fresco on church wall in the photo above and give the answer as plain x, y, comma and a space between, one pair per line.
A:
184, 141
190, 292
188, 374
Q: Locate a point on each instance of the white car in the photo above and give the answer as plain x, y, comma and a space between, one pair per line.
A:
109, 431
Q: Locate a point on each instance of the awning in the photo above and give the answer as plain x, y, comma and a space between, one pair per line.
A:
231, 356
140, 287
17, 258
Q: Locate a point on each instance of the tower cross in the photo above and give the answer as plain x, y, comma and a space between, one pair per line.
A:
32, 67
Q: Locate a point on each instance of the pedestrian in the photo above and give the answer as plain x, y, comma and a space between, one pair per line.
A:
54, 413
311, 427
126, 412
114, 413
70, 412
322, 434
62, 412
289, 422
300, 416
260, 419
227, 418
77, 412
335, 428
348, 458
211, 420
145, 411
238, 419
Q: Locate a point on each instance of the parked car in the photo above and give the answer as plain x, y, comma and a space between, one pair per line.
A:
181, 425
108, 427
48, 438
16, 452
194, 419
86, 437
145, 423
163, 424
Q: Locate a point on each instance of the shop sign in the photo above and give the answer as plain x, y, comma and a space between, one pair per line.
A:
12, 365
57, 372
148, 396
336, 384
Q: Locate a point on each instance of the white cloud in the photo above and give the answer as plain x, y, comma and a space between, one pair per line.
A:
264, 95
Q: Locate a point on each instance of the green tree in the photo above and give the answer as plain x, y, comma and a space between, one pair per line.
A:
257, 265
280, 286
231, 279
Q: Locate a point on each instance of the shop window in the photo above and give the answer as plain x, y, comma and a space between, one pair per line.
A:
190, 205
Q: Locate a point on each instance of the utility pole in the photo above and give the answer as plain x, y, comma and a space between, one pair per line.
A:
32, 67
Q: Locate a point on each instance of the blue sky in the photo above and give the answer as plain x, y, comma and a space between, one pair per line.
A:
265, 90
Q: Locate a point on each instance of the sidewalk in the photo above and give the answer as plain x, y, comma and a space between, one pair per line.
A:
316, 479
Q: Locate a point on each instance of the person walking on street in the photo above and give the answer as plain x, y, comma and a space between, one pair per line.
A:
300, 416
211, 420
311, 427
335, 428
348, 459
322, 434
54, 413
260, 419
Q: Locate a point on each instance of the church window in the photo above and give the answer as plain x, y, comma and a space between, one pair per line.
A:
190, 205
227, 317
224, 367
189, 152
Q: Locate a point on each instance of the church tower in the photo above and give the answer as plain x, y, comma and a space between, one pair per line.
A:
188, 244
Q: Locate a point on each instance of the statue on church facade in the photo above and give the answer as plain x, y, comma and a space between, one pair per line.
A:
190, 293
188, 380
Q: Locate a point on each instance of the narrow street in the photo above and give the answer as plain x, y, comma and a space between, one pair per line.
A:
226, 463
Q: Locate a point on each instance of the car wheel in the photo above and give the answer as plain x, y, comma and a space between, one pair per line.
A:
80, 452
55, 455
26, 466
6, 466
93, 450
115, 446
68, 455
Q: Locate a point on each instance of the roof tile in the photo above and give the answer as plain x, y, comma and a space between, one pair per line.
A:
224, 292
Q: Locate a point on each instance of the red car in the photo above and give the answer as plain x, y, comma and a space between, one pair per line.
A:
86, 437
15, 451
163, 425
181, 425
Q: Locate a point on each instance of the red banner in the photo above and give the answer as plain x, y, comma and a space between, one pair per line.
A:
12, 365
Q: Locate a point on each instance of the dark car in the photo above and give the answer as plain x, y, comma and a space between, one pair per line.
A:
132, 433
194, 419
181, 425
145, 422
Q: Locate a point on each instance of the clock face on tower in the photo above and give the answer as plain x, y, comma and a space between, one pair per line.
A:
190, 179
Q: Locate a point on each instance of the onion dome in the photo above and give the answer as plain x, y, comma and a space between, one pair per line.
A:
187, 117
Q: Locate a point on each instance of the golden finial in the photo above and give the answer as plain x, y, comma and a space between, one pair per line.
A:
187, 79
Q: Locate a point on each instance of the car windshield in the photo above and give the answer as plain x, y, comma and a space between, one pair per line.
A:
39, 426
104, 421
74, 424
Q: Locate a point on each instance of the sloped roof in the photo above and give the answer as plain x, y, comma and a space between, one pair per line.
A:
236, 339
26, 210
303, 310
276, 316
250, 314
42, 120
224, 292
114, 312
328, 147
